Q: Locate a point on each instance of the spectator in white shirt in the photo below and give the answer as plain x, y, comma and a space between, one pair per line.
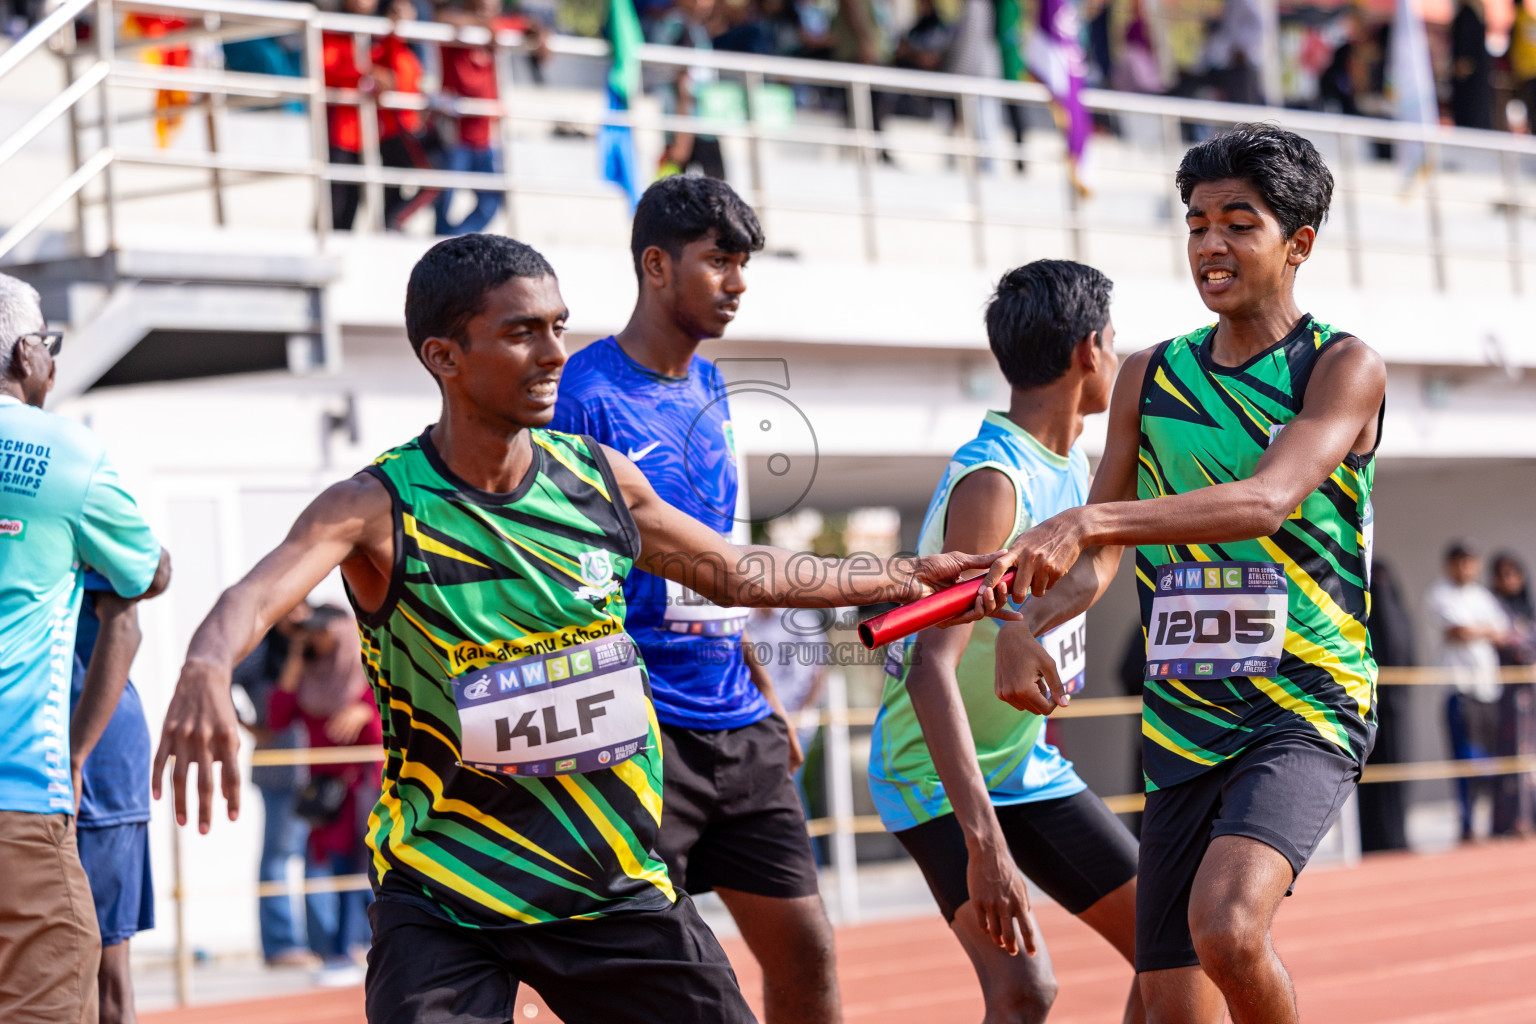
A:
1466, 624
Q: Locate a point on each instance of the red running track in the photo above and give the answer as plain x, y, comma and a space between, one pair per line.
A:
1402, 939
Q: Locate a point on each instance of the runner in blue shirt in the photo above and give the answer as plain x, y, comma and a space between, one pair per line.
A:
61, 508
731, 817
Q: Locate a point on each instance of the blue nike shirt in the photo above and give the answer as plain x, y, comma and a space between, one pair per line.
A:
678, 432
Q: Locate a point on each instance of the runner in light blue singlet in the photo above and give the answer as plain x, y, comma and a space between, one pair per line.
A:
1017, 762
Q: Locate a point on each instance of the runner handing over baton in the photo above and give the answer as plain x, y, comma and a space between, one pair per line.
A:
522, 779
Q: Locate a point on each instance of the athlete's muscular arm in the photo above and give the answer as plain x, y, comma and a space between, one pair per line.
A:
980, 516
680, 548
348, 525
1338, 416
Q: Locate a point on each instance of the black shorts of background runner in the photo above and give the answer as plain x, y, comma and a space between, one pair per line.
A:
730, 815
1073, 848
647, 967
1285, 791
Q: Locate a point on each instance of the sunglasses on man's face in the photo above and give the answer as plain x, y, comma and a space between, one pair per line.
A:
51, 340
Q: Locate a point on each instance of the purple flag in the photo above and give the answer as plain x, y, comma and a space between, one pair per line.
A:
1056, 59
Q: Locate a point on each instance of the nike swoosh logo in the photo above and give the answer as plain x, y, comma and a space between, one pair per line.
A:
636, 454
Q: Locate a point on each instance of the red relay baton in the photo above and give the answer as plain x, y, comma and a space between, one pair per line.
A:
922, 613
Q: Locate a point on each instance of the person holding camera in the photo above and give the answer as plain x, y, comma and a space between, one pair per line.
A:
323, 688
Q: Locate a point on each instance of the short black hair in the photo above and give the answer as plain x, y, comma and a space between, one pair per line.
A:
448, 285
684, 208
1459, 549
1039, 312
1285, 169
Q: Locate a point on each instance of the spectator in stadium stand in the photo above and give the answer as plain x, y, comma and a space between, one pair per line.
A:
1383, 812
470, 142
976, 51
324, 688
858, 37
285, 835
1471, 67
922, 47
1137, 69
63, 508
747, 29
1466, 623
686, 24
1233, 53
19, 16
392, 67
1522, 60
111, 785
1512, 807
1336, 85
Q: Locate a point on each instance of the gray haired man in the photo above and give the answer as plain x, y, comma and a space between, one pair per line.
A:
61, 508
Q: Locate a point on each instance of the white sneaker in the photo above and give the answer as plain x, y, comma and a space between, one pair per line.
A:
339, 975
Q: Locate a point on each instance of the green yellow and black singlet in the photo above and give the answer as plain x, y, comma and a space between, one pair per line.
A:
522, 779
1248, 638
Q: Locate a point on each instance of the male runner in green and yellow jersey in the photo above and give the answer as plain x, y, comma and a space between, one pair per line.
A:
1239, 460
515, 838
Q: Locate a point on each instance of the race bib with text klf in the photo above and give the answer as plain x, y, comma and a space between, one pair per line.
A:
1217, 619
581, 710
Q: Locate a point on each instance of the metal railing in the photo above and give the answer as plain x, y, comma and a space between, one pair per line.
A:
842, 825
1367, 189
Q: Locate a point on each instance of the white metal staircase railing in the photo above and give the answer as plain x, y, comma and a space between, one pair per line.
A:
96, 73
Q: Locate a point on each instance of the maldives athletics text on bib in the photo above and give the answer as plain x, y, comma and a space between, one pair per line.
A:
580, 710
1211, 620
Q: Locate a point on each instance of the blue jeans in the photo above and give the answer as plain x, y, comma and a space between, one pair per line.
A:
338, 921
283, 837
467, 158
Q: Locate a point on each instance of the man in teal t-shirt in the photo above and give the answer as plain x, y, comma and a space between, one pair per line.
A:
969, 785
61, 510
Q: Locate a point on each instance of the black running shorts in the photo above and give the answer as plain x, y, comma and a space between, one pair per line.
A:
730, 815
645, 966
1284, 791
1073, 848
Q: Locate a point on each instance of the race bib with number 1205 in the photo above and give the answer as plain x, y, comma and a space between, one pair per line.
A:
581, 710
1216, 619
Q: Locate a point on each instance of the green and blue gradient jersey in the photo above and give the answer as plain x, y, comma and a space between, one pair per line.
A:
677, 430
1018, 764
62, 510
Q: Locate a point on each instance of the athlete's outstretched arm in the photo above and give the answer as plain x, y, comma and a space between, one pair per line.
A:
680, 548
980, 516
1341, 405
349, 522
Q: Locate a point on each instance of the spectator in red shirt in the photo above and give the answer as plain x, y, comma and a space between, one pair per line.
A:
324, 688
470, 72
391, 67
